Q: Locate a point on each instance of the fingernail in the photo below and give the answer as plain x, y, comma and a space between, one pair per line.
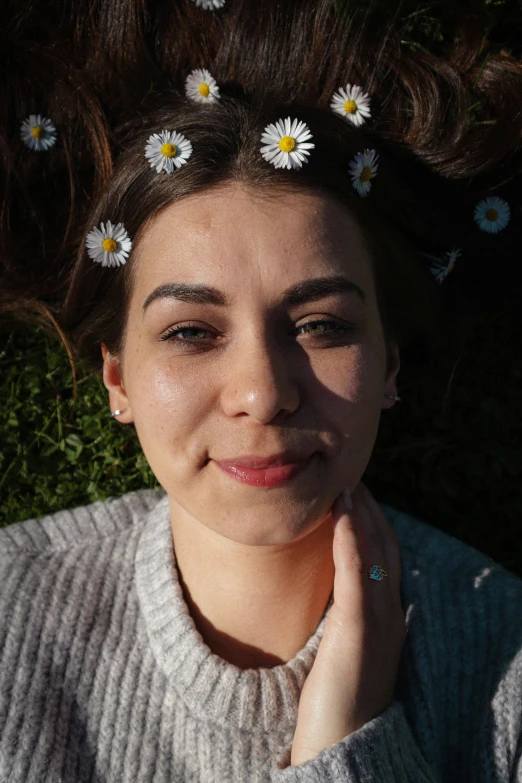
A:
347, 499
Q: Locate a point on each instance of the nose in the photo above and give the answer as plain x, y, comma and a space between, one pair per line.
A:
261, 380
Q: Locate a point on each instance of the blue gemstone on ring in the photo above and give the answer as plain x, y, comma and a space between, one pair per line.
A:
377, 573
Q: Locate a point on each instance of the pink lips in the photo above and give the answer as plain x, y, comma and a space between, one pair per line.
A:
264, 471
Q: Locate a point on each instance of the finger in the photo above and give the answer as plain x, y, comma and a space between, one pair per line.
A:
353, 595
349, 562
370, 534
385, 533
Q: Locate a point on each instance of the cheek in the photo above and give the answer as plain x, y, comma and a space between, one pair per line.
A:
349, 397
174, 408
168, 405
355, 378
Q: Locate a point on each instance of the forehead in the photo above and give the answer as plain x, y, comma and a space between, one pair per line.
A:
234, 237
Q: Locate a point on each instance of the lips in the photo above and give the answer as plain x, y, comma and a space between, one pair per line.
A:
268, 471
258, 462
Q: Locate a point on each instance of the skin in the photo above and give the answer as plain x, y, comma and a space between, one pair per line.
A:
256, 565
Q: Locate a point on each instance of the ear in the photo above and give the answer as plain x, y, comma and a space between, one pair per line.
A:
394, 365
112, 379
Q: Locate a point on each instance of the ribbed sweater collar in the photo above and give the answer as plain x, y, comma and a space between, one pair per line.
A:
211, 687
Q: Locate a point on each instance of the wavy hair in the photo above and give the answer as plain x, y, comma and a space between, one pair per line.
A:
447, 128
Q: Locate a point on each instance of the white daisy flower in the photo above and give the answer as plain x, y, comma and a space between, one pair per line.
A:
210, 5
492, 214
109, 245
201, 86
362, 170
353, 103
443, 266
38, 133
167, 150
287, 145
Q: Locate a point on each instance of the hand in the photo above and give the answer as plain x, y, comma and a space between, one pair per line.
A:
353, 676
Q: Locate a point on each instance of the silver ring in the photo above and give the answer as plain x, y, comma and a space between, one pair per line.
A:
377, 573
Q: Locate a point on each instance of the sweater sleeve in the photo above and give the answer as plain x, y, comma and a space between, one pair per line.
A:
382, 750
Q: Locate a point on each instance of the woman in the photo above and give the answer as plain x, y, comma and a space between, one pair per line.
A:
246, 276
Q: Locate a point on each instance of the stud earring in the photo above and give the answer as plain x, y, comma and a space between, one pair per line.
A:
391, 397
117, 413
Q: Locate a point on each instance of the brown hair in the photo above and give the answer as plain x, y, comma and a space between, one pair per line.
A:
121, 77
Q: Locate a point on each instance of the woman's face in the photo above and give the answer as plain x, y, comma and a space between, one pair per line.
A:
231, 349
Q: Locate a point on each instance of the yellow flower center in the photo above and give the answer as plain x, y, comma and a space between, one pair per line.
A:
492, 214
37, 132
169, 150
350, 107
287, 144
204, 90
366, 174
109, 245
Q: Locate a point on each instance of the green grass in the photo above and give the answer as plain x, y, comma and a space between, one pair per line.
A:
56, 453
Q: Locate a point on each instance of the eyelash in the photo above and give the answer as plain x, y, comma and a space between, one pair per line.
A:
338, 331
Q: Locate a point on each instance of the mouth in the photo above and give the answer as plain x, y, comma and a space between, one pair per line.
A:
259, 462
265, 471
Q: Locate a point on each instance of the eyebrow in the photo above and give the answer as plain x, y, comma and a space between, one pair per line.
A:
307, 291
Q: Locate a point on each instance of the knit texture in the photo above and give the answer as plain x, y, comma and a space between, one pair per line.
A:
104, 677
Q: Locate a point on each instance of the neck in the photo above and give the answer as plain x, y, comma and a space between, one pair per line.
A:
254, 606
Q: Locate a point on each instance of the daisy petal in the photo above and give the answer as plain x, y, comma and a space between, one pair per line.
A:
118, 246
288, 154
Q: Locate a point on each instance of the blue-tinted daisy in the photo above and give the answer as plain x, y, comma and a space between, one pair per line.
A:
286, 143
109, 245
201, 86
363, 169
443, 266
353, 103
492, 214
210, 5
167, 150
38, 133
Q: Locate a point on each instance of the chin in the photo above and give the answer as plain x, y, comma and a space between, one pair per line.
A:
271, 525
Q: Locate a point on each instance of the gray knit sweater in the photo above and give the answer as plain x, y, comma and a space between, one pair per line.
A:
105, 678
